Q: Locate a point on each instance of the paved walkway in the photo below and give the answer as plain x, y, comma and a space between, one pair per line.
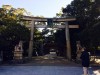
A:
49, 61
42, 70
46, 65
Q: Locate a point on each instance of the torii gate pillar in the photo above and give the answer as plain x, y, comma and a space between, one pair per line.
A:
31, 40
68, 46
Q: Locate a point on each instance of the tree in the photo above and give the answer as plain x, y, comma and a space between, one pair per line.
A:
10, 15
87, 13
11, 30
60, 41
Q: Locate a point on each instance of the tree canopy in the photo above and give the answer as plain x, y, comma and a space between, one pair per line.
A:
87, 13
11, 29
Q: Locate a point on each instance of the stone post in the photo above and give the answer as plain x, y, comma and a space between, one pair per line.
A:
68, 49
31, 40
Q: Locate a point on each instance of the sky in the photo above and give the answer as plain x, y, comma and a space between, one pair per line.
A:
46, 8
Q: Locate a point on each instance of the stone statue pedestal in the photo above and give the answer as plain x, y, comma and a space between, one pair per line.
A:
18, 53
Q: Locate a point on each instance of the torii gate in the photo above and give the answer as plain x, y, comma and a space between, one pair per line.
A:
66, 26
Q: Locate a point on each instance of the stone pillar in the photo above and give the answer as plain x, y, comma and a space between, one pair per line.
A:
31, 40
1, 56
68, 49
79, 50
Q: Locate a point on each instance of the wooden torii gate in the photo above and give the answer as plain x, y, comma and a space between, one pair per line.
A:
66, 26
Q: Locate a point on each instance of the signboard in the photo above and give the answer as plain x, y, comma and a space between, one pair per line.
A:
49, 22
